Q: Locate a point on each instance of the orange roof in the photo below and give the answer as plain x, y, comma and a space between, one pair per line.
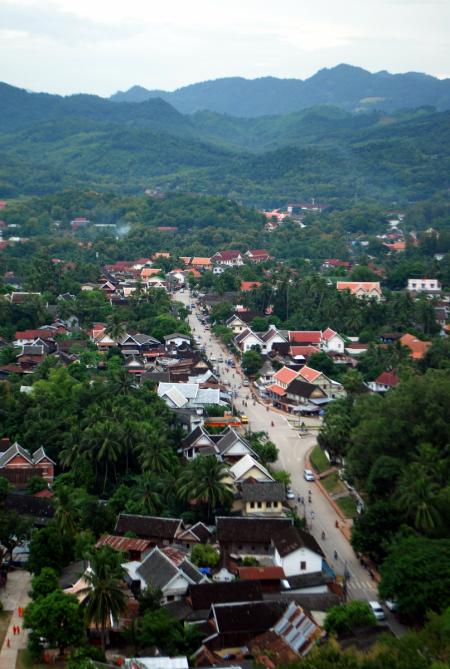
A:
149, 271
396, 246
355, 286
310, 374
285, 375
249, 285
276, 389
186, 259
195, 273
328, 334
200, 261
417, 347
260, 573
161, 254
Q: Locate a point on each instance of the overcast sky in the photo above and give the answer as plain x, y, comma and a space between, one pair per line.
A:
100, 46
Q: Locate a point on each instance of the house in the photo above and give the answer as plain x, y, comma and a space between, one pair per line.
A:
299, 396
227, 258
248, 536
417, 347
23, 337
201, 264
247, 286
356, 348
270, 578
248, 340
302, 353
134, 549
284, 376
31, 356
271, 337
194, 534
332, 342
384, 382
361, 289
293, 636
239, 321
257, 255
431, 286
177, 339
139, 342
198, 442
159, 571
20, 297
249, 468
330, 387
263, 499
233, 625
333, 263
159, 531
305, 337
296, 551
201, 595
39, 510
188, 395
18, 465
231, 447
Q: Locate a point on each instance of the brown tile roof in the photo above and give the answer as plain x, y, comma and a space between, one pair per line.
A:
148, 526
260, 573
247, 530
202, 595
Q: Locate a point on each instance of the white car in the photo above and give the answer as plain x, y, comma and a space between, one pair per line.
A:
308, 475
377, 610
290, 493
391, 604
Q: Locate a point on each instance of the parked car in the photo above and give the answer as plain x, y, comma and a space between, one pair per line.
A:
308, 475
377, 610
289, 493
220, 359
245, 383
244, 419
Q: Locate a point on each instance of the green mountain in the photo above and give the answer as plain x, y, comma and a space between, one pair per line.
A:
49, 142
348, 87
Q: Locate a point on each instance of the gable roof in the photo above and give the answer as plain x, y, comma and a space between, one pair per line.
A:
148, 526
157, 569
40, 455
247, 616
204, 594
272, 491
191, 571
290, 539
303, 351
388, 379
305, 389
13, 450
123, 544
285, 375
195, 435
329, 334
245, 530
305, 336
356, 286
246, 463
310, 374
260, 573
417, 347
242, 336
229, 438
198, 531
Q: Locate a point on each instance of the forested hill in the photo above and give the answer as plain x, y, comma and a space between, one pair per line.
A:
20, 109
351, 88
49, 142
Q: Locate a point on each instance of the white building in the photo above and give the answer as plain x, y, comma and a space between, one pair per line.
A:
297, 552
423, 286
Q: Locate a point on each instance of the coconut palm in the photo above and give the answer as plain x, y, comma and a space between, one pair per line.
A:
115, 328
147, 492
66, 511
202, 481
104, 597
418, 498
102, 443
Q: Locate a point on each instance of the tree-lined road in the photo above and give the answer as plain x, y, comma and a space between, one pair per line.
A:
320, 515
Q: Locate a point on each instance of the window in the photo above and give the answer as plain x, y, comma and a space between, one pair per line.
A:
170, 598
269, 505
302, 565
259, 505
252, 505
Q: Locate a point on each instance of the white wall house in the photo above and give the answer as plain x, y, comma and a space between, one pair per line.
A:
297, 552
332, 341
424, 286
247, 340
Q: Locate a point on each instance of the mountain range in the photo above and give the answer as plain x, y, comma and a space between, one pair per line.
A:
50, 142
345, 86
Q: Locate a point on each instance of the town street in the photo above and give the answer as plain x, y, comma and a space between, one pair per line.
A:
320, 515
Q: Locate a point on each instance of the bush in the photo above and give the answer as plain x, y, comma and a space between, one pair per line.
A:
348, 617
204, 555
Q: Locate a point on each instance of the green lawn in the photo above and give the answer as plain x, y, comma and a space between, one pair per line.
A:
319, 460
331, 483
25, 661
347, 506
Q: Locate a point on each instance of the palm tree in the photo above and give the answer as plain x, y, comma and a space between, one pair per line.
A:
115, 328
103, 444
148, 493
121, 382
203, 481
66, 511
418, 498
104, 598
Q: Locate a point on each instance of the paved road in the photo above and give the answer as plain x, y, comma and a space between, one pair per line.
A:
14, 595
320, 515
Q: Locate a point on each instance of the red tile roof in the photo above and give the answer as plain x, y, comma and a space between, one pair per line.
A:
417, 347
276, 389
305, 336
305, 351
123, 543
285, 375
34, 334
310, 374
388, 379
249, 285
260, 573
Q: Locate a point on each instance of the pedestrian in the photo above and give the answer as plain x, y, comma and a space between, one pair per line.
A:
14, 630
18, 629
8, 643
